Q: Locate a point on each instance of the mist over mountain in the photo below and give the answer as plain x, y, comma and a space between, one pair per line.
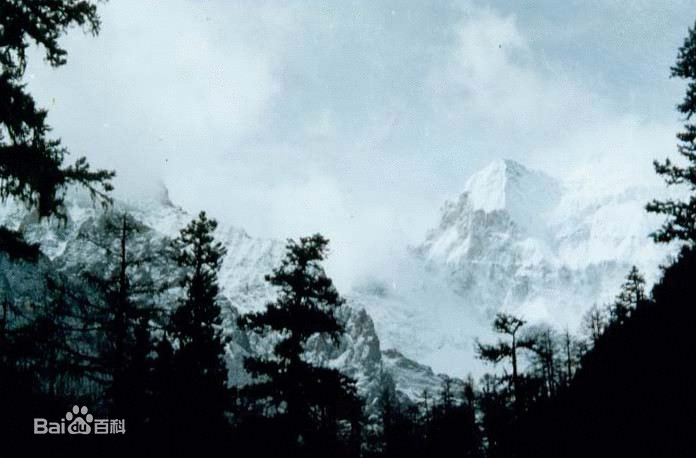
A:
69, 250
515, 240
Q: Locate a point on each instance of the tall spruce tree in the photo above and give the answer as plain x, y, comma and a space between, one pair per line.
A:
200, 384
309, 399
32, 168
681, 221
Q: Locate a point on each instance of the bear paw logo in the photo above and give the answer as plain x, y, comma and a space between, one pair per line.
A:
81, 422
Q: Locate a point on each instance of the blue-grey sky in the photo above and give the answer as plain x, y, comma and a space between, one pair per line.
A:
357, 118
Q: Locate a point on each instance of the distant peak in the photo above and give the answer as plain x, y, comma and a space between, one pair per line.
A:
523, 195
499, 169
487, 188
163, 194
503, 182
505, 164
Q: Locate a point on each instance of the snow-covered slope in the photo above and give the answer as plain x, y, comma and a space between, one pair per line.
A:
517, 240
541, 247
69, 248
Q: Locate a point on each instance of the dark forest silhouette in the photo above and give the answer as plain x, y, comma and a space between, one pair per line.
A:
106, 338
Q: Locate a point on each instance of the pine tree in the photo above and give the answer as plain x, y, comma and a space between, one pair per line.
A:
452, 429
137, 378
497, 415
446, 395
681, 222
165, 411
311, 399
471, 441
32, 166
631, 295
63, 346
425, 411
508, 325
198, 360
124, 312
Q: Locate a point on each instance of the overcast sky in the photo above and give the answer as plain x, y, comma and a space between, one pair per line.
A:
358, 118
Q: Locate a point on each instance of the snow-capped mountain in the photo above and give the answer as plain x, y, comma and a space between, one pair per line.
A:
515, 239
529, 243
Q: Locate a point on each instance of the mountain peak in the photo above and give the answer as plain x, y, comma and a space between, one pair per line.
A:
502, 200
505, 184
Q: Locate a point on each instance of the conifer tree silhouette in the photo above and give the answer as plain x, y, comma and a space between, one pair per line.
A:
200, 381
594, 322
32, 168
681, 214
124, 312
508, 325
543, 343
631, 295
312, 399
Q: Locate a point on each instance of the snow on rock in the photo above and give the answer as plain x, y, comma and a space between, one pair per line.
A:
505, 185
514, 240
69, 248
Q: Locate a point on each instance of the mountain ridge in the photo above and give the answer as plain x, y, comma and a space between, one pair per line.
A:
68, 250
538, 247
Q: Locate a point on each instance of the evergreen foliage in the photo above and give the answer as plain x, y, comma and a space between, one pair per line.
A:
99, 335
123, 314
681, 214
199, 381
32, 166
311, 399
631, 295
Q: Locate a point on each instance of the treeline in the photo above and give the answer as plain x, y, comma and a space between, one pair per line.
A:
524, 410
110, 342
619, 389
130, 342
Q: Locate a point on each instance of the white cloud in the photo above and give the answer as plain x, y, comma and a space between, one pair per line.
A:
165, 86
355, 119
495, 88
